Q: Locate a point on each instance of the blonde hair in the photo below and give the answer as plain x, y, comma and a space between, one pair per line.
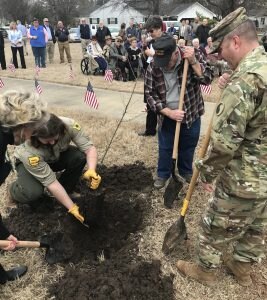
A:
18, 108
12, 24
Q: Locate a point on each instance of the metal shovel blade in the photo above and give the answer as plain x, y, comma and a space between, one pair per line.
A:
172, 190
175, 236
58, 246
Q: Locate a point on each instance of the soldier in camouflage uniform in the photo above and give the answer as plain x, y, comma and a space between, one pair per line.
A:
237, 159
48, 151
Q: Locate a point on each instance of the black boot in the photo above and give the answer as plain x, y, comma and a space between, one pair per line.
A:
3, 275
16, 273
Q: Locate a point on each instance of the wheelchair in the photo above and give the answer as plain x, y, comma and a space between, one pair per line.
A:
85, 66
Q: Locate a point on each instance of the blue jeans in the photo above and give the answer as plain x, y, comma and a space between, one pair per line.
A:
39, 54
187, 144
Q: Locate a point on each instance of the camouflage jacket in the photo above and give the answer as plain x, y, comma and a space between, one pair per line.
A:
237, 153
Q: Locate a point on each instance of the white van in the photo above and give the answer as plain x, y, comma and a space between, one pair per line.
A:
93, 28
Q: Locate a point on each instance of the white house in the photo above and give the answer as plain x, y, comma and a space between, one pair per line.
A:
259, 16
115, 13
190, 11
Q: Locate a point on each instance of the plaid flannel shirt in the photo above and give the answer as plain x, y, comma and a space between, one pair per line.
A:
155, 89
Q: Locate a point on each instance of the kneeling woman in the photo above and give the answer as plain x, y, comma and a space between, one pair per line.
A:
48, 151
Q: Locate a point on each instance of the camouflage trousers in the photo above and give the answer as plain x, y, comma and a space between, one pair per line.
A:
232, 219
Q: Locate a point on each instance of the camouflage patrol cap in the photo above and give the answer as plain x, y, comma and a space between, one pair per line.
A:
227, 25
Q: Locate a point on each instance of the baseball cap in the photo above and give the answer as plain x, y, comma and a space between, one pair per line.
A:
164, 47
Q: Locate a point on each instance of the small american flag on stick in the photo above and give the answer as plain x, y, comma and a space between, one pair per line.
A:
206, 89
71, 74
38, 87
1, 83
90, 97
11, 66
37, 70
108, 75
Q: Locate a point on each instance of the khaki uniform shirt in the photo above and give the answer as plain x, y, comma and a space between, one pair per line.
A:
37, 160
237, 153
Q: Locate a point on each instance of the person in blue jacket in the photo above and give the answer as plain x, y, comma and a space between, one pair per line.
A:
38, 38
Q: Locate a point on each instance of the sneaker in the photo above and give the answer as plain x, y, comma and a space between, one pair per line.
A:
160, 182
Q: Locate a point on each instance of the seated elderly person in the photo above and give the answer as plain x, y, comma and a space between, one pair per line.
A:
118, 57
95, 50
198, 47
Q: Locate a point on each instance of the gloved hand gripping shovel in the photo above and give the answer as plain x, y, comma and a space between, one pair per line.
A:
58, 247
176, 182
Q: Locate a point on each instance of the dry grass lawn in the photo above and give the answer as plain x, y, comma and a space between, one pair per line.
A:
127, 148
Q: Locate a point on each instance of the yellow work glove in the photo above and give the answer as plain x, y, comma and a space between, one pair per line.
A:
75, 212
93, 178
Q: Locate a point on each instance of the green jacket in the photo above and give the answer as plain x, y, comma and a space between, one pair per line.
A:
237, 154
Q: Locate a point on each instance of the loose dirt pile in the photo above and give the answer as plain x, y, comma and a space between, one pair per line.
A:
106, 263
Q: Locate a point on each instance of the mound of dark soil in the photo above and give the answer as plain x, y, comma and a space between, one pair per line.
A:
115, 212
115, 280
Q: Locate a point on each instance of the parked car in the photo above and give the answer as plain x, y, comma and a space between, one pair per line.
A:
4, 32
74, 36
114, 30
175, 23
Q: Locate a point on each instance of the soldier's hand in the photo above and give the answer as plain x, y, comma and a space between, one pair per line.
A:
93, 178
74, 210
208, 187
223, 80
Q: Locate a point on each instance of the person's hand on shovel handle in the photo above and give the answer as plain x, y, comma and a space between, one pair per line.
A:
12, 243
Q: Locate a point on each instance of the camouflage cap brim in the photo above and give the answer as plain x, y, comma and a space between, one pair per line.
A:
227, 25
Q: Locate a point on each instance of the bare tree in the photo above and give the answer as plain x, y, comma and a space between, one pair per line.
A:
15, 10
63, 10
223, 8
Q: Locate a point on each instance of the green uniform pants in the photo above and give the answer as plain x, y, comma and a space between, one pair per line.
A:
228, 219
27, 189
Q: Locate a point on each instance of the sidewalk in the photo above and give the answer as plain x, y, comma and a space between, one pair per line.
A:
112, 103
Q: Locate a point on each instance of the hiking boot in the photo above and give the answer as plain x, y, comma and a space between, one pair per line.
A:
16, 273
194, 271
240, 270
160, 182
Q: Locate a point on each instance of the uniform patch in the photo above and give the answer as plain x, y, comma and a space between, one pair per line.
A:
34, 160
76, 126
220, 109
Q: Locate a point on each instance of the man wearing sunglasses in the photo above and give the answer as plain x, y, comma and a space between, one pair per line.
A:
50, 45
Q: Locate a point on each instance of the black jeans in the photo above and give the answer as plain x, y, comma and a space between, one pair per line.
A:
2, 58
21, 54
6, 138
3, 275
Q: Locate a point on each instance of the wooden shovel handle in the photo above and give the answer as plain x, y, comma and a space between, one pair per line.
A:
181, 104
20, 244
201, 154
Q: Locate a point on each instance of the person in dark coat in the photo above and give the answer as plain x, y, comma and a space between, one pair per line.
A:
202, 33
2, 52
101, 33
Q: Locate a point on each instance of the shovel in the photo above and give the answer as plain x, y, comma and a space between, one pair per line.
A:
177, 233
176, 182
58, 247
